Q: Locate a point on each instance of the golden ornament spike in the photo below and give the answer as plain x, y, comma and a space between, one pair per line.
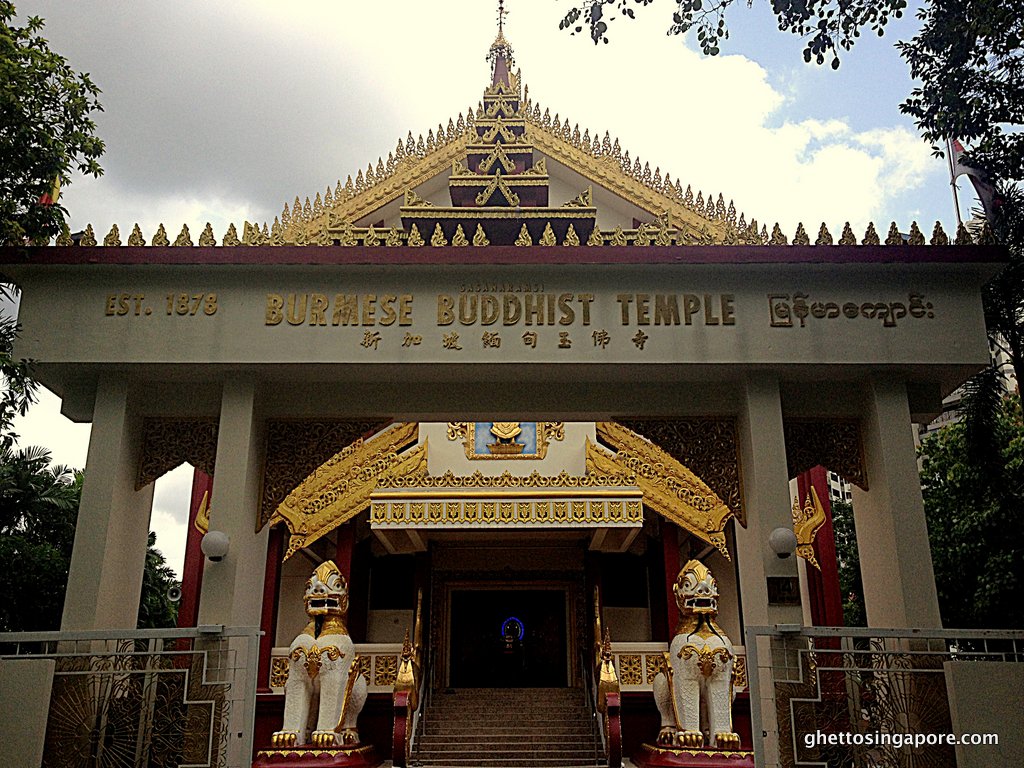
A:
524, 238
618, 237
88, 238
576, 135
297, 209
276, 234
64, 238
136, 238
916, 236
113, 237
963, 237
430, 141
160, 238
421, 147
801, 237
777, 237
764, 234
480, 237
730, 213
699, 202
348, 237
318, 205
350, 188
596, 238
688, 196
571, 238
870, 235
360, 184
711, 211
371, 176
415, 239
184, 239
939, 236
894, 237
741, 223
231, 236
547, 237
438, 239
824, 236
586, 138
206, 239
720, 207
266, 234
393, 239
307, 212
380, 169
370, 238
328, 199
286, 216
459, 239
847, 237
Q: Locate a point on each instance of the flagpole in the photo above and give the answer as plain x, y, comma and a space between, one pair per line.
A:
952, 181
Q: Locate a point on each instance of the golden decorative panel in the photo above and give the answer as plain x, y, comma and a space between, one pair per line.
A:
168, 443
278, 671
504, 435
297, 447
385, 670
807, 520
340, 488
654, 663
739, 673
835, 444
707, 447
363, 666
515, 513
669, 488
630, 671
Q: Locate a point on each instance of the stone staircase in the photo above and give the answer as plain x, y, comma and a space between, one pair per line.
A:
508, 728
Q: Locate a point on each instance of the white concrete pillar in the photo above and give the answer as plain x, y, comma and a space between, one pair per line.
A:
232, 592
105, 577
892, 537
766, 499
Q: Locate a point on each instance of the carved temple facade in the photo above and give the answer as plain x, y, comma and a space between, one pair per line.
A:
664, 368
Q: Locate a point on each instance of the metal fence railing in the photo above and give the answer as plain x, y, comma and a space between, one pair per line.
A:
180, 698
871, 688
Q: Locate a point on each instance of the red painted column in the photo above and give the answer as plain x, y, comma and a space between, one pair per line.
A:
670, 553
268, 615
823, 585
192, 570
343, 551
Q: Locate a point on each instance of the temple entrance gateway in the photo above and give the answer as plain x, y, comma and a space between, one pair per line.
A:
508, 638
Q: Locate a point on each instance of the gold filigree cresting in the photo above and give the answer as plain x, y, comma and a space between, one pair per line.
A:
295, 448
340, 488
169, 443
835, 444
709, 447
508, 480
807, 520
465, 431
669, 488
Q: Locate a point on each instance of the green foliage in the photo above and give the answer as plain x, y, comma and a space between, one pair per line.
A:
45, 129
155, 610
19, 388
974, 524
968, 60
825, 25
850, 587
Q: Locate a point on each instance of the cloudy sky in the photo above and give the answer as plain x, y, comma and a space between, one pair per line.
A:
222, 112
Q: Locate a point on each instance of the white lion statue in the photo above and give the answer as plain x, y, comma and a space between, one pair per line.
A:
694, 691
322, 675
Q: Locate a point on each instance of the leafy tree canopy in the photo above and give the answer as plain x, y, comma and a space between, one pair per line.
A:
46, 130
974, 524
826, 25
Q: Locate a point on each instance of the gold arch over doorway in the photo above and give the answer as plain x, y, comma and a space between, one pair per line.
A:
341, 487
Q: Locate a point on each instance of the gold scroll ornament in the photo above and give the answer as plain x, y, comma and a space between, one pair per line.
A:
669, 488
340, 488
807, 520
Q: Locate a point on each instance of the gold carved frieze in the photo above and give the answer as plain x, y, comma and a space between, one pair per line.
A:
506, 440
836, 444
615, 479
709, 447
487, 509
168, 443
340, 488
669, 488
295, 448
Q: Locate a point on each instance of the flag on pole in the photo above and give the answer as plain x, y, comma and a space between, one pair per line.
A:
988, 196
49, 198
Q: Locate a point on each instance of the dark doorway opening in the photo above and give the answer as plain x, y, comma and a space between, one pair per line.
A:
508, 638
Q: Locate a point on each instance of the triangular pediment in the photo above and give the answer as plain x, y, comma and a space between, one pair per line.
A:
626, 195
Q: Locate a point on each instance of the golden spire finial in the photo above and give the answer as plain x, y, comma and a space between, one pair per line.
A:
500, 55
